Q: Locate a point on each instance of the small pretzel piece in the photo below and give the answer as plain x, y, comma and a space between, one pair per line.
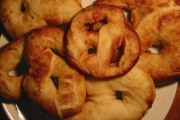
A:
10, 57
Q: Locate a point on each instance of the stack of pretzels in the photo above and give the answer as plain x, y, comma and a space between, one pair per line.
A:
98, 66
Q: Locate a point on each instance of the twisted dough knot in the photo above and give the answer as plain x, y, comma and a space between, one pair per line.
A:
162, 33
10, 57
121, 98
66, 97
21, 16
100, 43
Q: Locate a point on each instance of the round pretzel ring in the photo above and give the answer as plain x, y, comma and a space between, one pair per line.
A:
21, 16
66, 97
100, 44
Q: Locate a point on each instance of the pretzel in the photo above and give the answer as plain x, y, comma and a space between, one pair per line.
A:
96, 37
162, 32
21, 16
130, 4
63, 97
121, 98
145, 7
10, 57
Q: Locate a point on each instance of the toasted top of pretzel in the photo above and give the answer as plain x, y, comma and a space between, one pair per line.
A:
21, 16
130, 4
42, 38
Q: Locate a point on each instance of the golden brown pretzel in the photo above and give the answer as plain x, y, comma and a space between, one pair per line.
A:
121, 98
67, 96
21, 16
147, 6
130, 4
10, 57
163, 32
44, 37
96, 36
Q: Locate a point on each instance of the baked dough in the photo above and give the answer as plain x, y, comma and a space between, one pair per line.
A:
43, 50
121, 98
161, 32
100, 44
10, 56
21, 16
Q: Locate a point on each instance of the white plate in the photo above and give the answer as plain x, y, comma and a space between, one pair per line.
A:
26, 110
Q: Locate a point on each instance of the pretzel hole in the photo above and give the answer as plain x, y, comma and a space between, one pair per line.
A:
23, 8
96, 26
92, 50
119, 95
55, 81
127, 14
55, 52
21, 69
117, 55
155, 49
